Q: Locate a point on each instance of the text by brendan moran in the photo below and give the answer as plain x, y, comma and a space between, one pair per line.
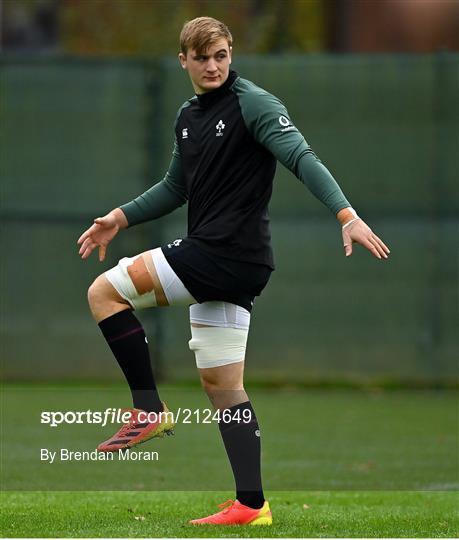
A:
64, 455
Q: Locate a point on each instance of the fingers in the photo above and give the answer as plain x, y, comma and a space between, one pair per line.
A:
102, 251
372, 248
89, 246
83, 237
347, 243
381, 245
87, 233
377, 247
88, 242
365, 242
98, 223
87, 249
85, 244
87, 252
360, 232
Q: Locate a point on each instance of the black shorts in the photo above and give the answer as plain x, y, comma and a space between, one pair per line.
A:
211, 277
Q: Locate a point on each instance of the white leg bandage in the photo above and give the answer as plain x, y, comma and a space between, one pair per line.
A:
141, 294
224, 338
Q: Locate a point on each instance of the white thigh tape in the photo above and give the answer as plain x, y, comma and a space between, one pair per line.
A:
215, 346
174, 289
121, 280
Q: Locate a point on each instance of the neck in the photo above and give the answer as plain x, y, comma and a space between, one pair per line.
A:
205, 98
200, 91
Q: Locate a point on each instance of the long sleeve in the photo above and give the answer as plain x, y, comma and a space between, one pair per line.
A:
162, 198
269, 123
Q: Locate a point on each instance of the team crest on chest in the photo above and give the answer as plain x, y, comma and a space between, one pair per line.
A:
219, 127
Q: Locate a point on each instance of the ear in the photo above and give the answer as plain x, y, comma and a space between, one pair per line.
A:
182, 60
230, 54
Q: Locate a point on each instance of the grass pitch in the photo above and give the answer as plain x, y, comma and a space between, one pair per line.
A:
335, 463
296, 514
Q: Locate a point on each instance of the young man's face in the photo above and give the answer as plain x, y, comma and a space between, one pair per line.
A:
208, 70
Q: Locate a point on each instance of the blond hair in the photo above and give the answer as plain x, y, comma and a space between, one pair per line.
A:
202, 32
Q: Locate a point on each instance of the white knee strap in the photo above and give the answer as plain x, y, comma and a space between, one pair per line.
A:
224, 338
214, 346
122, 282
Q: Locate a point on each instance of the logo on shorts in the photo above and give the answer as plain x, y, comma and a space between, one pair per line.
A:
257, 432
185, 133
220, 127
175, 243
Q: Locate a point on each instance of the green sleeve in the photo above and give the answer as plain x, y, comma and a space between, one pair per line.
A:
269, 123
160, 199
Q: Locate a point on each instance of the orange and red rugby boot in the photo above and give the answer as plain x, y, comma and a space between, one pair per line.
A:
139, 430
235, 513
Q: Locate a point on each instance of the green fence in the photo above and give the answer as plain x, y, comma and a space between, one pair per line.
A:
83, 136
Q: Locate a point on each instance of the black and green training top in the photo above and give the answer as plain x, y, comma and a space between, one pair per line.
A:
227, 143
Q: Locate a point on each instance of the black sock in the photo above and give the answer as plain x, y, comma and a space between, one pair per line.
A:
242, 443
126, 338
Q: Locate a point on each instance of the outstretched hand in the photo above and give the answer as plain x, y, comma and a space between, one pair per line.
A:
358, 231
100, 234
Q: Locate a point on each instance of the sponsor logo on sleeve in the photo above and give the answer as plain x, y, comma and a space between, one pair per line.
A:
285, 123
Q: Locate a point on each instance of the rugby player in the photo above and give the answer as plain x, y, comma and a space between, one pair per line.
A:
228, 138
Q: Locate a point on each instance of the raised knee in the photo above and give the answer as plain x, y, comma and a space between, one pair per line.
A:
96, 292
104, 300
